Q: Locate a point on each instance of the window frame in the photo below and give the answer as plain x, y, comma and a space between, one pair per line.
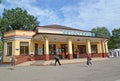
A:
24, 48
9, 49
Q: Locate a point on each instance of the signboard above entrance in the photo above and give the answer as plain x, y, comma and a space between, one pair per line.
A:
65, 32
81, 33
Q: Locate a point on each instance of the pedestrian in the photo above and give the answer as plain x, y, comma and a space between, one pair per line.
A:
89, 59
57, 59
13, 62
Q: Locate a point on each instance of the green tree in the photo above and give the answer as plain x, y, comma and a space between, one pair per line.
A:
17, 19
114, 41
111, 43
101, 32
1, 45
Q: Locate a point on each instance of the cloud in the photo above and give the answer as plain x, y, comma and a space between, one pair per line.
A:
45, 16
82, 14
88, 15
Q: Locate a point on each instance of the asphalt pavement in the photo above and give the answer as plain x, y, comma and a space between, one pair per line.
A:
103, 70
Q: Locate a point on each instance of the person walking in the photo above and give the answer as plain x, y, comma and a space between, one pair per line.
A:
89, 59
57, 59
13, 63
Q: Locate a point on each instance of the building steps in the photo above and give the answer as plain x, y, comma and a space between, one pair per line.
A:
51, 62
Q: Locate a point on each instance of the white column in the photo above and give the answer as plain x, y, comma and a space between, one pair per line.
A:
88, 46
46, 48
106, 47
69, 46
99, 47
103, 46
70, 55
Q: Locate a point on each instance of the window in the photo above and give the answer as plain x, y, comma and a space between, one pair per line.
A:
24, 48
93, 48
82, 49
36, 49
9, 49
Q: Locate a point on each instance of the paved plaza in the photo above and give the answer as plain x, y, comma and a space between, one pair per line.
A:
104, 70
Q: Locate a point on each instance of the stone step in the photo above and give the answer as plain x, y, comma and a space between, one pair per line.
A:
51, 62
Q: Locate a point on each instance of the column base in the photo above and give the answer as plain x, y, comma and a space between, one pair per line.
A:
46, 57
70, 56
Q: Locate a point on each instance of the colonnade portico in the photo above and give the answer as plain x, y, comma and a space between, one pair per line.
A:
46, 46
70, 43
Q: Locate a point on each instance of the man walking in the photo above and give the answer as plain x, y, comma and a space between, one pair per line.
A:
57, 59
13, 62
89, 59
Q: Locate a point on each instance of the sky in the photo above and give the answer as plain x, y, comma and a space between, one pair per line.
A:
80, 14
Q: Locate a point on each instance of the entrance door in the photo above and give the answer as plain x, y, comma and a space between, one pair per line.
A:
52, 49
82, 49
64, 50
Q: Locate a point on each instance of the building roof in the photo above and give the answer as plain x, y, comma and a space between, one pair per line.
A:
61, 27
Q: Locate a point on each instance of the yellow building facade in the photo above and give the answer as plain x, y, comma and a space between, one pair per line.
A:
45, 41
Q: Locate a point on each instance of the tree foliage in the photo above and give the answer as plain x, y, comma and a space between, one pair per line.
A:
101, 32
111, 44
114, 41
17, 19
